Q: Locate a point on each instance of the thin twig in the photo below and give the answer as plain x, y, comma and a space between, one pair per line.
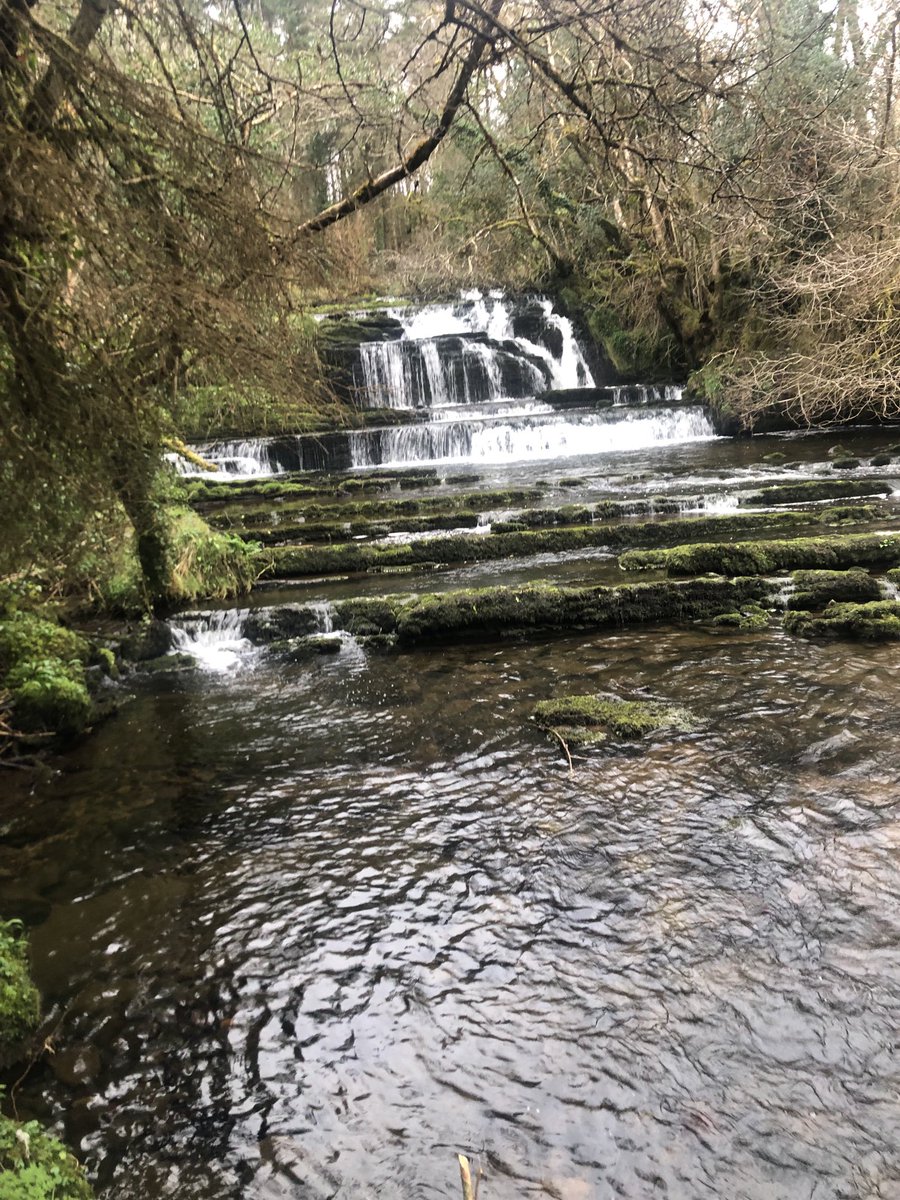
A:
565, 746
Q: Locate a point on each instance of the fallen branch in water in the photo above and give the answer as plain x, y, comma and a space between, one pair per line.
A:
177, 446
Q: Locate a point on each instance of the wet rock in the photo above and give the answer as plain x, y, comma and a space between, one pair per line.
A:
76, 1066
881, 460
817, 489
267, 625
151, 639
169, 663
845, 464
584, 397
301, 649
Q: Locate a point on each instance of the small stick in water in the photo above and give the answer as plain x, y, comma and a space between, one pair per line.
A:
465, 1175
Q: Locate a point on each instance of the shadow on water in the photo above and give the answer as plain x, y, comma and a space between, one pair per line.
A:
310, 931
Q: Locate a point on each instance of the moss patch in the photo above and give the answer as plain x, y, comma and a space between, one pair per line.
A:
42, 674
587, 720
35, 1166
751, 619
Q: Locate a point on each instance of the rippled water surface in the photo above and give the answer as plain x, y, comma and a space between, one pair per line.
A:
310, 931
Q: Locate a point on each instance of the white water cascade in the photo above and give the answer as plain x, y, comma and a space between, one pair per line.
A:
473, 350
574, 434
215, 639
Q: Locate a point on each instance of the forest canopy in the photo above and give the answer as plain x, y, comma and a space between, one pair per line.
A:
711, 188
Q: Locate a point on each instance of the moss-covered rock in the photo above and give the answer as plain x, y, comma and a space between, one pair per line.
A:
45, 697
508, 611
813, 590
766, 557
877, 621
845, 464
751, 619
35, 1166
19, 1000
588, 720
817, 489
880, 460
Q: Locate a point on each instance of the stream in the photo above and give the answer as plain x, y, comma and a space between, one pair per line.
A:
310, 929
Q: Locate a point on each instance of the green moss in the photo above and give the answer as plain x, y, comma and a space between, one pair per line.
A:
817, 489
26, 635
766, 557
206, 563
42, 670
19, 1000
813, 590
45, 696
878, 621
586, 720
845, 464
35, 1166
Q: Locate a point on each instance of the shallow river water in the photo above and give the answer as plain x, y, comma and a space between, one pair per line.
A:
309, 931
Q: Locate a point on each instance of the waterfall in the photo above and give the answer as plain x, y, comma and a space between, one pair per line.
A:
470, 375
215, 639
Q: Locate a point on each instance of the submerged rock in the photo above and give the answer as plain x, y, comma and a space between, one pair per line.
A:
299, 649
751, 619
589, 720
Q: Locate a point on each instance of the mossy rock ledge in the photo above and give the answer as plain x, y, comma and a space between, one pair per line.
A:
595, 719
877, 621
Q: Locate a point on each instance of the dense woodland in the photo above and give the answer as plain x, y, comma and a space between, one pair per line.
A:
710, 188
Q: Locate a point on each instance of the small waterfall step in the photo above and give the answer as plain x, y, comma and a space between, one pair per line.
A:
215, 639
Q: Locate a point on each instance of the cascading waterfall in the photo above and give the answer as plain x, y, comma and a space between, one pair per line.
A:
470, 351
485, 378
